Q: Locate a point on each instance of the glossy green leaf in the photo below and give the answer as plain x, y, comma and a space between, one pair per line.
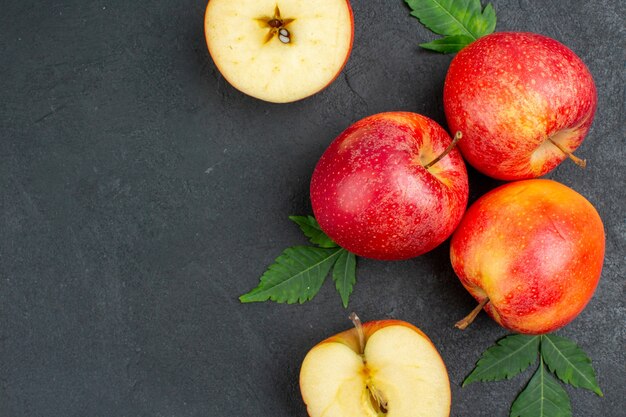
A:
569, 362
542, 397
295, 276
460, 21
344, 275
507, 358
313, 231
449, 44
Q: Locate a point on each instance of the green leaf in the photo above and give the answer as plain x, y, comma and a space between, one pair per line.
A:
313, 231
344, 275
542, 397
449, 44
449, 18
455, 17
295, 276
507, 358
569, 362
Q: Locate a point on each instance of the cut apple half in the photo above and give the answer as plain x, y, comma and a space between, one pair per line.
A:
279, 50
393, 371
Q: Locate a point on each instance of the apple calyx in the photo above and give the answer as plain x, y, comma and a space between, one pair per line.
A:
580, 162
467, 320
451, 146
376, 398
276, 26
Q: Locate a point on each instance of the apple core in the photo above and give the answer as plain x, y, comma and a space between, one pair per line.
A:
277, 27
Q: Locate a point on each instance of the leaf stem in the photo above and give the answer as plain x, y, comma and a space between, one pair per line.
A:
467, 320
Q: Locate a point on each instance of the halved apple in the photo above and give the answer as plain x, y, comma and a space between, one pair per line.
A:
381, 368
279, 50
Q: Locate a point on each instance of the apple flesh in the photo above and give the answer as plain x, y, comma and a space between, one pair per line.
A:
524, 103
393, 369
279, 51
532, 251
373, 195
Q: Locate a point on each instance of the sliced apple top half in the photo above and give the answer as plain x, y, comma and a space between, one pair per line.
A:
394, 371
279, 50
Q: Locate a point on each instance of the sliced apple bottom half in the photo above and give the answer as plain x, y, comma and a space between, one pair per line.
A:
392, 369
279, 50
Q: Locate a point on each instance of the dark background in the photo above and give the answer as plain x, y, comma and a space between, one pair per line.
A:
140, 195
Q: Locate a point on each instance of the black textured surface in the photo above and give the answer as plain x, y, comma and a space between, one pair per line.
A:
140, 195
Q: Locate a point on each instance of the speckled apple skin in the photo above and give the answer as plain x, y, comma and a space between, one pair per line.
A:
507, 93
536, 249
372, 195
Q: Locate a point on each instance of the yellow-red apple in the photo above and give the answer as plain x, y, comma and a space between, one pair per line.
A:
524, 103
381, 191
279, 51
387, 367
531, 252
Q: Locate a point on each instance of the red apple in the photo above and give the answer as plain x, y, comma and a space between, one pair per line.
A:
279, 51
373, 195
524, 103
387, 367
532, 253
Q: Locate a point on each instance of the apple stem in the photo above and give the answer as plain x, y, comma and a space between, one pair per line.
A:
359, 329
451, 146
467, 320
580, 162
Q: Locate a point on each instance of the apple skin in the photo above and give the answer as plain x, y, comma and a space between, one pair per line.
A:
350, 338
271, 99
536, 249
372, 195
507, 93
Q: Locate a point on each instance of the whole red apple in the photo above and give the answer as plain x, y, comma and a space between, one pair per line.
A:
372, 194
531, 252
524, 103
